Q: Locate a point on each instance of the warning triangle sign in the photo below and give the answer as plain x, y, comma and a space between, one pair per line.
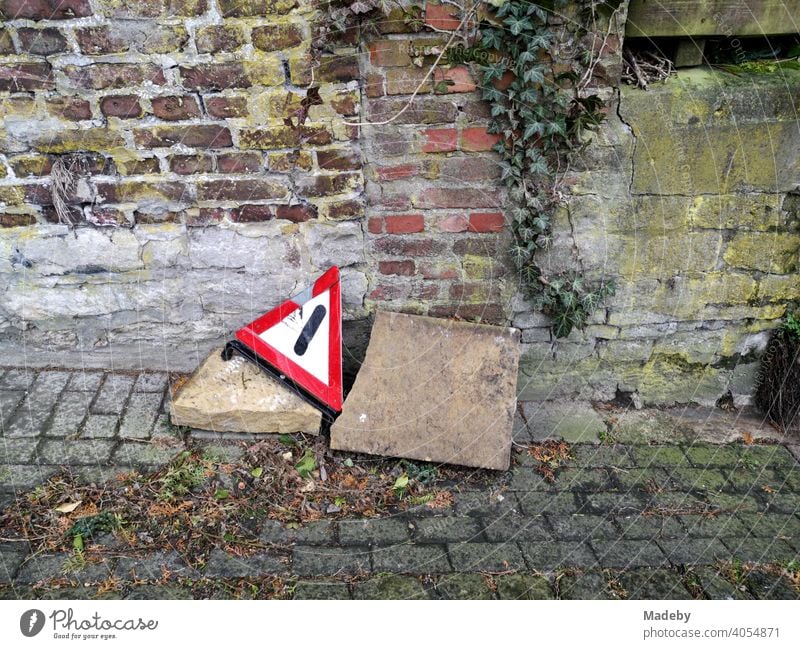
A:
300, 342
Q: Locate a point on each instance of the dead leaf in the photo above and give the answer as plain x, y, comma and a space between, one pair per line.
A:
68, 508
747, 438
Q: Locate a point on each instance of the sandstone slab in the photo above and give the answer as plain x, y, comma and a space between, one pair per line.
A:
235, 396
433, 390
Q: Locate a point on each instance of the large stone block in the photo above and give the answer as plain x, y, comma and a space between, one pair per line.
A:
433, 390
236, 396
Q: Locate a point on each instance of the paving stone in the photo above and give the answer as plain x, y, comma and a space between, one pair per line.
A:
693, 552
784, 503
621, 504
140, 415
516, 528
314, 533
68, 414
223, 453
659, 456
222, 564
9, 400
18, 477
113, 394
100, 426
155, 592
308, 561
85, 381
646, 583
44, 567
568, 420
151, 382
395, 587
31, 415
411, 559
771, 455
688, 479
100, 475
18, 451
11, 557
601, 455
716, 586
519, 429
794, 449
442, 529
463, 586
153, 567
751, 479
144, 453
481, 503
733, 502
486, 557
538, 503
79, 451
378, 531
321, 590
767, 585
671, 503
769, 525
528, 479
650, 527
785, 479
558, 555
17, 379
718, 526
583, 479
584, 586
523, 587
714, 455
580, 527
163, 430
760, 550
65, 593
638, 479
648, 426
628, 554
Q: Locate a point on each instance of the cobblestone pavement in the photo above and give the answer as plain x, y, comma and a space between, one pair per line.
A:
622, 520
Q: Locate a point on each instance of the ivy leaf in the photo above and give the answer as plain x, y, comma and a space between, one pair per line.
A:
306, 464
257, 472
518, 25
221, 494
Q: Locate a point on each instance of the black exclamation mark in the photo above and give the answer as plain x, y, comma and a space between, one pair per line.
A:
317, 316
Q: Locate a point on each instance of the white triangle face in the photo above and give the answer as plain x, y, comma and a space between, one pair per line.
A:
304, 335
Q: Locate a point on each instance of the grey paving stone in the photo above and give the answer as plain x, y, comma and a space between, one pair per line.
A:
628, 554
783, 503
523, 587
672, 503
519, 429
376, 531
394, 587
17, 379
650, 527
11, 557
693, 552
309, 561
620, 504
580, 527
568, 420
153, 567
68, 414
223, 453
651, 479
516, 528
767, 585
144, 453
713, 455
713, 526
60, 592
659, 456
18, 477
32, 414
538, 503
164, 430
760, 550
156, 592
689, 479
410, 559
767, 455
486, 557
18, 451
715, 586
645, 583
49, 381
85, 381
151, 382
100, 426
222, 564
584, 586
582, 479
443, 529
525, 478
100, 475
321, 590
481, 503
601, 455
113, 394
94, 451
557, 555
733, 502
314, 533
140, 415
463, 586
9, 400
45, 567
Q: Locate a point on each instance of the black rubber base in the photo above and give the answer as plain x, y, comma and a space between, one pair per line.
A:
238, 347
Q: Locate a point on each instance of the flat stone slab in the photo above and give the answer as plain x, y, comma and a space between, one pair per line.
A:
572, 421
433, 390
235, 396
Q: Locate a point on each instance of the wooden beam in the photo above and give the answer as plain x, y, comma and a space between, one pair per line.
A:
712, 17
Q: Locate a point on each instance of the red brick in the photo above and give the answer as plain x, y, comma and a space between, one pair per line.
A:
72, 108
441, 16
342, 160
175, 108
486, 222
402, 247
20, 77
387, 53
297, 213
338, 69
328, 185
440, 140
155, 8
251, 214
316, 134
219, 38
344, 210
425, 291
16, 220
277, 137
375, 225
107, 217
470, 169
374, 85
215, 76
270, 38
477, 139
396, 267
454, 223
457, 197
41, 42
390, 292
100, 76
134, 190
195, 135
458, 79
397, 172
248, 8
487, 313
238, 163
423, 110
439, 271
190, 164
240, 190
45, 9
404, 223
160, 216
122, 106
224, 107
205, 216
480, 246
405, 81
345, 103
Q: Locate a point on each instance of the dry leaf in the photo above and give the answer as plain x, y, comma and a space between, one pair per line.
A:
747, 438
68, 508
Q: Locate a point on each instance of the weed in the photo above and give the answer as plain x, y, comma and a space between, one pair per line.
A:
184, 474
